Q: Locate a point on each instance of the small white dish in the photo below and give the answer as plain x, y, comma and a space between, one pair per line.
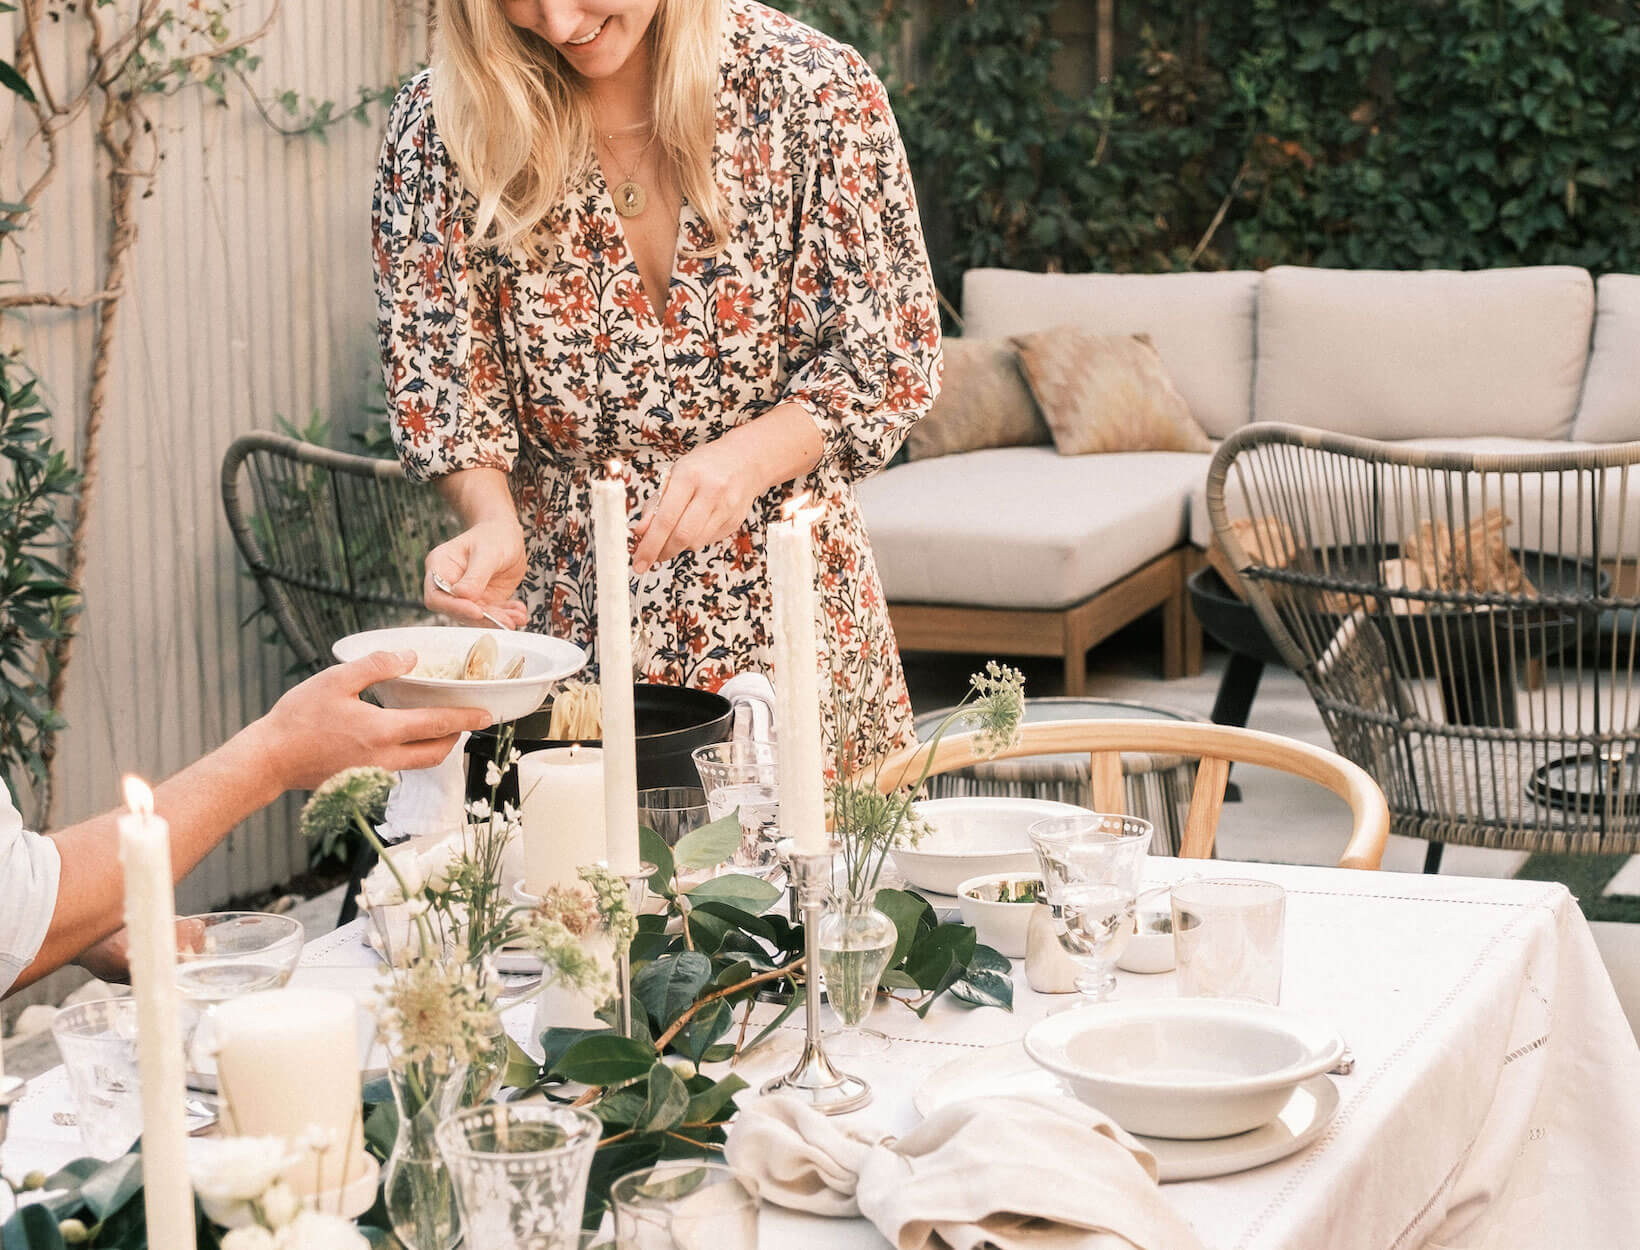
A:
1008, 1071
1184, 1067
971, 837
1149, 949
547, 661
1001, 926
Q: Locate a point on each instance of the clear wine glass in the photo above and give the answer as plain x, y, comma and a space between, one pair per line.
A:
1091, 865
743, 775
224, 955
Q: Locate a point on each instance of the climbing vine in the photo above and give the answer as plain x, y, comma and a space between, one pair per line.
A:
135, 55
1248, 133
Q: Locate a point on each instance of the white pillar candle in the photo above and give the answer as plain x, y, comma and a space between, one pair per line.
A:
800, 761
561, 795
287, 1064
614, 563
151, 924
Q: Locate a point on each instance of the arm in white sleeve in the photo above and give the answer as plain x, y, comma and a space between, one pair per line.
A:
29, 870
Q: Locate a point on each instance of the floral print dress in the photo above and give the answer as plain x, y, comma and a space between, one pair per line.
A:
549, 368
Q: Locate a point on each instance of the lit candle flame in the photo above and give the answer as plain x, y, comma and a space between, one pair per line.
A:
615, 468
138, 797
797, 504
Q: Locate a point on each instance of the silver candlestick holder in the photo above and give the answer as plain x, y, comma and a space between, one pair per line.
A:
813, 1078
637, 888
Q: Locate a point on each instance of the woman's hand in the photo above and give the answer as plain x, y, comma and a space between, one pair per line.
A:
483, 566
321, 726
711, 490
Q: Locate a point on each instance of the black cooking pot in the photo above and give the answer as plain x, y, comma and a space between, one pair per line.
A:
672, 721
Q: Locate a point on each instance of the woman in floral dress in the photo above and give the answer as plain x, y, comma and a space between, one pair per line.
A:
677, 233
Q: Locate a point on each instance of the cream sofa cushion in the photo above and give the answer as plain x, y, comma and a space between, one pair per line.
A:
1024, 527
1201, 323
1398, 355
1610, 411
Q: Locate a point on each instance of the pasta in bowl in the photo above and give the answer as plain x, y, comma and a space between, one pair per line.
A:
463, 666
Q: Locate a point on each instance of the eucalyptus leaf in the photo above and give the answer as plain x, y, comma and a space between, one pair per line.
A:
751, 894
907, 911
713, 1102
652, 849
604, 1060
665, 1103
984, 989
705, 1027
710, 845
33, 1227
933, 954
669, 985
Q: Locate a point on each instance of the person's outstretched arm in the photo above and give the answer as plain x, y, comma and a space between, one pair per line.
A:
313, 732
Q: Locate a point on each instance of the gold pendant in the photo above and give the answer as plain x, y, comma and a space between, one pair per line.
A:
629, 199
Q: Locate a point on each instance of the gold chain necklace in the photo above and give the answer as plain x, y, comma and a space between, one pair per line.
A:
629, 197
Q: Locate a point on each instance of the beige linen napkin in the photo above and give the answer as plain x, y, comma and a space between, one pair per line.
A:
1014, 1173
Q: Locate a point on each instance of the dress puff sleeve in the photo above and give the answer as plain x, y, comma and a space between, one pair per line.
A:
437, 305
862, 324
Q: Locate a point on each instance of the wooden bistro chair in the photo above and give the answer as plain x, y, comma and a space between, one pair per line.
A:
1215, 746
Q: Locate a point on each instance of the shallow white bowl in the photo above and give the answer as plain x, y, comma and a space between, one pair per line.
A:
546, 662
1001, 926
1148, 951
1188, 1068
972, 837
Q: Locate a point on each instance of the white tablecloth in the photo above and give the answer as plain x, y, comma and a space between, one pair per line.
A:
1495, 1101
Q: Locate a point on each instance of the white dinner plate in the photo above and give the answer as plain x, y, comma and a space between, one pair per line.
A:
1007, 1070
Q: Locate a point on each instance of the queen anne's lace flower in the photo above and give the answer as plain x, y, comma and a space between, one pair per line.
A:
436, 1011
998, 713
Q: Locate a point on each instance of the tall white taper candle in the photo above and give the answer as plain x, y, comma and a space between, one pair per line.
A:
151, 923
614, 564
801, 764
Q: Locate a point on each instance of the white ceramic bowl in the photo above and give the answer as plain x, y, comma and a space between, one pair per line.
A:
1147, 950
1001, 926
1188, 1068
972, 837
546, 662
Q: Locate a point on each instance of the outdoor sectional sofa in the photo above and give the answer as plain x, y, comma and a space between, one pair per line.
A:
1022, 551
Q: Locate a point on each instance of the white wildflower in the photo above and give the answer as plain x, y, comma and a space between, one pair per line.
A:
250, 1237
479, 809
492, 774
236, 1169
280, 1205
315, 1230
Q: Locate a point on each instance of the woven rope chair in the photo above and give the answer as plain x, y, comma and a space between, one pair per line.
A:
336, 541
1465, 623
1215, 746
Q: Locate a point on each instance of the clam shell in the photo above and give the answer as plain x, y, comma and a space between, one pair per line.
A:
481, 660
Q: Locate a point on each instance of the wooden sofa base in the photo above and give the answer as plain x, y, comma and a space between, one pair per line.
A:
1068, 632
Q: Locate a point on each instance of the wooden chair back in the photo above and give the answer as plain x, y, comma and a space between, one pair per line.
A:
1215, 746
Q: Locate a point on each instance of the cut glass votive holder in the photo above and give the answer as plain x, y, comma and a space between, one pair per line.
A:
520, 1172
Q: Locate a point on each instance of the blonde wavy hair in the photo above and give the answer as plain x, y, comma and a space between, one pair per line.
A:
520, 129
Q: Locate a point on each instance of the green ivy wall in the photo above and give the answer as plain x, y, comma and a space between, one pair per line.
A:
1249, 133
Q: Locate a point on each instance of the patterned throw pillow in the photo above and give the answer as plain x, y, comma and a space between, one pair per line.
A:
1106, 392
983, 402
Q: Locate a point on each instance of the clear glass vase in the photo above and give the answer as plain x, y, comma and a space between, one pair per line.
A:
416, 1186
485, 1073
856, 943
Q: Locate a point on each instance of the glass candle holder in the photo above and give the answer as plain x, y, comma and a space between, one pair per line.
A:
520, 1172
684, 1205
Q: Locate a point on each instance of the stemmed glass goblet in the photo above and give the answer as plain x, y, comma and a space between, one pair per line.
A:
1091, 865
